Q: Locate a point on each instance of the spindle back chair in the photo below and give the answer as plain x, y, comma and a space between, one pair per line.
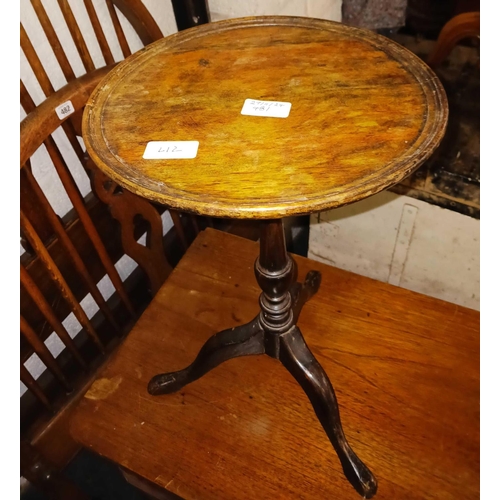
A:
80, 235
64, 259
90, 24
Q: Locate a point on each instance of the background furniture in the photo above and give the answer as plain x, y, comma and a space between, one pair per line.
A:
461, 26
405, 368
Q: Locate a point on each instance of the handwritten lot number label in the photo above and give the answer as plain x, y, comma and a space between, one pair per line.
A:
272, 109
171, 150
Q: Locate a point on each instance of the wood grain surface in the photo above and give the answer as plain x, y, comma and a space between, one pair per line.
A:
365, 113
405, 368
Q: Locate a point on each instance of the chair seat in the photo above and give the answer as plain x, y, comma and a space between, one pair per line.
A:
405, 368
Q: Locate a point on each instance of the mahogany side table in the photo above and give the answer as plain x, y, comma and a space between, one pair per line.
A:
364, 114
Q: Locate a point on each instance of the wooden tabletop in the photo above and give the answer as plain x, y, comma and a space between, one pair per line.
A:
365, 112
405, 368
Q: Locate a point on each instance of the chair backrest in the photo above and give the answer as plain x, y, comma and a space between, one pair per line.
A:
81, 290
82, 38
64, 259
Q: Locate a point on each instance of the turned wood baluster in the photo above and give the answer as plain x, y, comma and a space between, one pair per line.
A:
275, 333
274, 270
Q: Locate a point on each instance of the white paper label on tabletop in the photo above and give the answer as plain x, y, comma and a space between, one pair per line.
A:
272, 109
171, 150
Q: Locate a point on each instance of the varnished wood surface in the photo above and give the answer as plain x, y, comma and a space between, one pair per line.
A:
365, 113
405, 368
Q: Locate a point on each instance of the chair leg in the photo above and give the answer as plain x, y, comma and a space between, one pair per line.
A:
300, 362
243, 340
46, 476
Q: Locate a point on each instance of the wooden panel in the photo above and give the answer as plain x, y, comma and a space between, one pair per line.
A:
405, 368
153, 490
130, 210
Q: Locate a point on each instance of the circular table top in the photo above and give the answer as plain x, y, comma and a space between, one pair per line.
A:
365, 112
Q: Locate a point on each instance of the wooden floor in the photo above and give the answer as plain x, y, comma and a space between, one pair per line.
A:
405, 368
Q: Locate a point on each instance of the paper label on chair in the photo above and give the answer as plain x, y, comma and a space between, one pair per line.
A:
65, 109
272, 109
171, 150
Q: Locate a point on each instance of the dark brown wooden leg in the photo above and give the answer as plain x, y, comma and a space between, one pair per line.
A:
301, 293
300, 362
243, 340
274, 332
281, 303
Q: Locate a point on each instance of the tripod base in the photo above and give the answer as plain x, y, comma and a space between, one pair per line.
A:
275, 332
